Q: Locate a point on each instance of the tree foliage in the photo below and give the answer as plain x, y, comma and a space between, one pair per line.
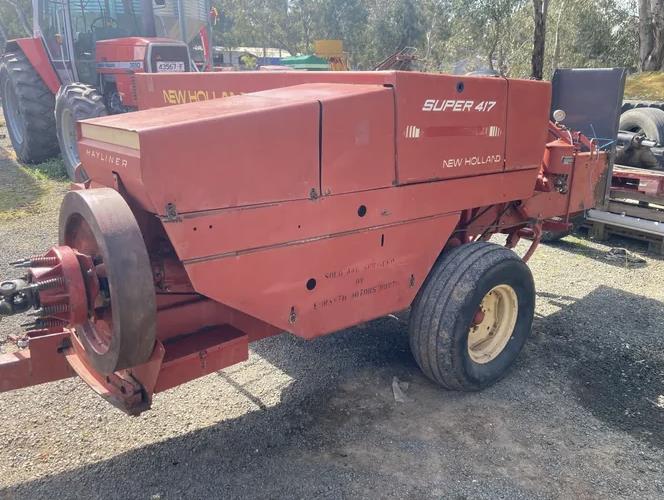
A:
450, 35
15, 19
651, 31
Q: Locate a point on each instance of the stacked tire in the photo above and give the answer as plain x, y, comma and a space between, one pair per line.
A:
650, 123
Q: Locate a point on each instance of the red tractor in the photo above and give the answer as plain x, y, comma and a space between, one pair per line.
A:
80, 64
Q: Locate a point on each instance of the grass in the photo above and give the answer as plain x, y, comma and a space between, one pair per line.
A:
53, 169
648, 86
25, 190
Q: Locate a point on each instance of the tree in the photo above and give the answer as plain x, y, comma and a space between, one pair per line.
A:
556, 40
540, 9
482, 35
21, 16
651, 34
506, 36
3, 33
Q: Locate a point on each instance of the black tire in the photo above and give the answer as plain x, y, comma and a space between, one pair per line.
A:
650, 122
28, 106
445, 308
75, 102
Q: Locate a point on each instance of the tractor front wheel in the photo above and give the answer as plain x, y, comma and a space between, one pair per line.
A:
27, 104
472, 316
75, 102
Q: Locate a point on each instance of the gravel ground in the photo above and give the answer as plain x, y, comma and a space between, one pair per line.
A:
580, 416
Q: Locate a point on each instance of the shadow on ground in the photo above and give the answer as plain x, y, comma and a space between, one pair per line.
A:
577, 245
617, 372
337, 402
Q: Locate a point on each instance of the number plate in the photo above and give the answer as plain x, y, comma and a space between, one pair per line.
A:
170, 66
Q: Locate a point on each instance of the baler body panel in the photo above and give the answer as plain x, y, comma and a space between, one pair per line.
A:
240, 230
241, 154
103, 161
449, 126
357, 150
265, 273
527, 120
168, 89
461, 121
318, 286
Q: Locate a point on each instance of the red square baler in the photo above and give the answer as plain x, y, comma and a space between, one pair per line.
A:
302, 204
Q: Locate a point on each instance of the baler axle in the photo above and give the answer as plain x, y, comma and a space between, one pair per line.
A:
54, 287
16, 297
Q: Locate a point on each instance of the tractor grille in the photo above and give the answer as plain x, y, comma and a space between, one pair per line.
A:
172, 52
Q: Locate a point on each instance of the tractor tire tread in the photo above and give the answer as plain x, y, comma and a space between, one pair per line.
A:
37, 104
84, 101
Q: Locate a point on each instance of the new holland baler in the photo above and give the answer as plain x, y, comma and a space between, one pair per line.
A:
305, 208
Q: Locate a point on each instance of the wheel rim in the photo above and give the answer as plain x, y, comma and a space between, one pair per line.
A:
493, 324
15, 120
69, 142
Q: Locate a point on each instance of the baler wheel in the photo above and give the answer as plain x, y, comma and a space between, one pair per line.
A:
121, 327
472, 316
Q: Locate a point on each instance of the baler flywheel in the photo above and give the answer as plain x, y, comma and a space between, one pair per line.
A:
120, 329
97, 283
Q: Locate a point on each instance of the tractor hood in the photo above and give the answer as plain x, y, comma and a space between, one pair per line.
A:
140, 54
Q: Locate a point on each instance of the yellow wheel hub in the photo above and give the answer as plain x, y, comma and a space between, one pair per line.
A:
493, 324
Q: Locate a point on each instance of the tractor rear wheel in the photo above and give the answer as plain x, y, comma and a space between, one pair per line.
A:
28, 105
74, 102
472, 316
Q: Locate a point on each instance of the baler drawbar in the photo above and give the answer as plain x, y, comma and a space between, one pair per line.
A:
305, 207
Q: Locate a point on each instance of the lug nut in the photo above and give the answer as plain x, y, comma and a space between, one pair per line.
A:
50, 310
36, 261
41, 324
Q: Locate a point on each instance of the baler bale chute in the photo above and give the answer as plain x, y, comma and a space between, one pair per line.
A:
306, 208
